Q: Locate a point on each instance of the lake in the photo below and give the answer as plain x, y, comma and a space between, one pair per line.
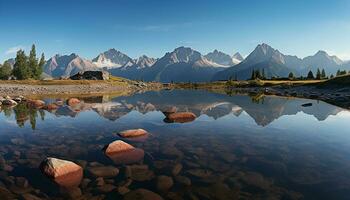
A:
238, 147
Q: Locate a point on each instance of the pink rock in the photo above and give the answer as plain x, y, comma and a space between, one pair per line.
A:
51, 107
117, 146
132, 133
127, 157
36, 103
64, 173
73, 101
181, 117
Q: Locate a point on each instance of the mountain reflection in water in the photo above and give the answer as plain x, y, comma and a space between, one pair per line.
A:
264, 111
238, 147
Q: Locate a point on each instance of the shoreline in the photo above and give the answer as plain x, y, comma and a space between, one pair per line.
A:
62, 87
336, 95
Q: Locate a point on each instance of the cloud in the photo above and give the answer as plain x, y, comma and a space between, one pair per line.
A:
14, 49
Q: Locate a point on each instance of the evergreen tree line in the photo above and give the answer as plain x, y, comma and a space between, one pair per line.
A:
320, 74
25, 67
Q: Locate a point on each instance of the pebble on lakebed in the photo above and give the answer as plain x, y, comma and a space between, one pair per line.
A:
65, 173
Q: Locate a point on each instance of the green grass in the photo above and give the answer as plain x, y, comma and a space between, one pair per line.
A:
342, 81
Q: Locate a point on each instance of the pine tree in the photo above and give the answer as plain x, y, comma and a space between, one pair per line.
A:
310, 75
332, 76
323, 74
39, 69
5, 71
291, 75
257, 74
252, 77
338, 73
33, 63
263, 74
21, 70
318, 74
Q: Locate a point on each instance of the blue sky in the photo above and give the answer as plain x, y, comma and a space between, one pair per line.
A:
153, 27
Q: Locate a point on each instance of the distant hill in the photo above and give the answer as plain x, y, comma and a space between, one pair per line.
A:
111, 59
187, 65
182, 65
277, 64
67, 65
263, 57
223, 59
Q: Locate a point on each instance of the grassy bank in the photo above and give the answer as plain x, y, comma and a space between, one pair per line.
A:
246, 84
112, 80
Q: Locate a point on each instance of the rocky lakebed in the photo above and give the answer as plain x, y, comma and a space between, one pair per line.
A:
179, 144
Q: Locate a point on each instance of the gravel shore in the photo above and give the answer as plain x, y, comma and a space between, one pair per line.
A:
22, 89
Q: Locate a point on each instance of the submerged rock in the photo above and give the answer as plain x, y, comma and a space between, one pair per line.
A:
63, 172
180, 117
142, 194
133, 133
117, 146
306, 105
164, 183
139, 173
135, 155
104, 171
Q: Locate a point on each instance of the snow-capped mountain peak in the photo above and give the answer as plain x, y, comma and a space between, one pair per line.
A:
111, 59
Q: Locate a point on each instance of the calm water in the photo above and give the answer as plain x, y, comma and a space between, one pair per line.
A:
239, 147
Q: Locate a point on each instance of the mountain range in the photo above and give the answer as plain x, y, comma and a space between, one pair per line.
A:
185, 64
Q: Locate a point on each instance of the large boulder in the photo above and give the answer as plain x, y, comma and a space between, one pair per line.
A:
91, 75
180, 117
65, 173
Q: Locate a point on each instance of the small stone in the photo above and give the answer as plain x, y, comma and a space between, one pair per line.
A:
199, 173
164, 183
142, 194
183, 180
106, 188
105, 171
123, 190
28, 196
139, 172
99, 181
176, 169
21, 182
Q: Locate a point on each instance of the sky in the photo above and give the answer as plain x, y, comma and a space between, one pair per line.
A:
154, 27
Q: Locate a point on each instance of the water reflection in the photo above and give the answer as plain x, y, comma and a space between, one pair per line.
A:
235, 148
263, 109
